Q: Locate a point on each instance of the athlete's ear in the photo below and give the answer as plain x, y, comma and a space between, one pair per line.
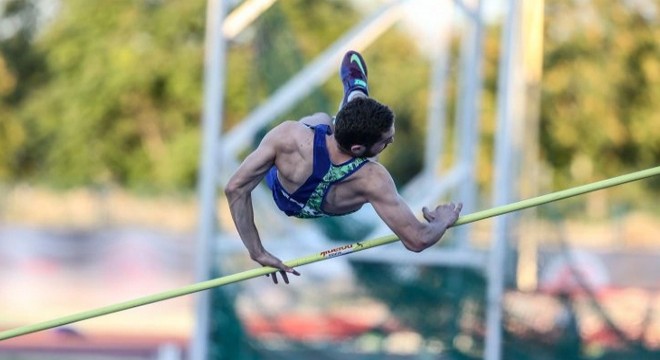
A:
358, 150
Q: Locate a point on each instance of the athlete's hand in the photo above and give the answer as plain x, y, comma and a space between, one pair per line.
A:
447, 213
267, 259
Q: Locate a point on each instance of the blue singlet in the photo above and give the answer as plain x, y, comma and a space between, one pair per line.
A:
306, 201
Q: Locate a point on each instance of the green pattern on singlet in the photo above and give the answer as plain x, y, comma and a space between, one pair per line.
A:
312, 208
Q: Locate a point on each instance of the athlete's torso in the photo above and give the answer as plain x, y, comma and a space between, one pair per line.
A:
327, 191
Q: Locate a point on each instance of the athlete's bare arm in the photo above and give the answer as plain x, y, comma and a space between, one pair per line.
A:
239, 190
415, 235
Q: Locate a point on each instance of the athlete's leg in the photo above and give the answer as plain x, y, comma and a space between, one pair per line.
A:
316, 119
353, 74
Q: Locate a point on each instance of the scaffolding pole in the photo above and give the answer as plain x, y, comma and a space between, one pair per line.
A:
507, 128
468, 108
214, 81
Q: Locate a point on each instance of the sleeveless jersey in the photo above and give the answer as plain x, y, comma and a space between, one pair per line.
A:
306, 201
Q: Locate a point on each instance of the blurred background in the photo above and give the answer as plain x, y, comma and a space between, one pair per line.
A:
116, 137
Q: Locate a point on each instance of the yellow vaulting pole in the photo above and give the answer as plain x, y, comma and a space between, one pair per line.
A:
324, 255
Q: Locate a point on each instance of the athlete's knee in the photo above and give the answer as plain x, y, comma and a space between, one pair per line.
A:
356, 94
316, 119
322, 116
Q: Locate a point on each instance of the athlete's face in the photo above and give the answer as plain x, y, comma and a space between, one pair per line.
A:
386, 139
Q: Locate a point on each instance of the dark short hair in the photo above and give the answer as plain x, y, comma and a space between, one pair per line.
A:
362, 121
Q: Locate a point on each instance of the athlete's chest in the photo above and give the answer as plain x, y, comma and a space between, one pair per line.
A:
344, 196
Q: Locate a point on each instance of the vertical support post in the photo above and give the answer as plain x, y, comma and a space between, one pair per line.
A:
214, 80
469, 105
532, 57
502, 190
437, 117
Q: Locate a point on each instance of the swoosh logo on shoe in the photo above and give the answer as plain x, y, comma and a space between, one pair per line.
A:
356, 59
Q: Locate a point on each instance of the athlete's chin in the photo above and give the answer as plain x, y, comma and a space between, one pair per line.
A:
372, 154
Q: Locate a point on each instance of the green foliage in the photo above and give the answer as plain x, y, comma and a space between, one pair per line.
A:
19, 71
438, 302
11, 133
123, 97
601, 90
111, 91
279, 56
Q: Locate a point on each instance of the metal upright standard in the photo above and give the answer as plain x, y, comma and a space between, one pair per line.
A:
214, 82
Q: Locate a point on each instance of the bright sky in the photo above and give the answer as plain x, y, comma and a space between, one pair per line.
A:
426, 18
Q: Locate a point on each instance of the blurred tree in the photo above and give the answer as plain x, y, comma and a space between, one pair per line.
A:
24, 61
115, 97
601, 89
278, 56
122, 103
278, 45
12, 135
20, 69
119, 105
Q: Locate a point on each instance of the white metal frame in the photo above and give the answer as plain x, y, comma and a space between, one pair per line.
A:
219, 154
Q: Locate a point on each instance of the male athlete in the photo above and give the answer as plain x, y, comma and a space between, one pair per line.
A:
319, 167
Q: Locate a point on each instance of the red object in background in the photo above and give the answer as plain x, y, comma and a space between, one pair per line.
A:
312, 327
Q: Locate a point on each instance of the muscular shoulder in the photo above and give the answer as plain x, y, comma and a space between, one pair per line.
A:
374, 179
302, 126
286, 127
289, 137
287, 133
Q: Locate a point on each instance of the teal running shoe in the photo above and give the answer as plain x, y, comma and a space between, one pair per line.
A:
353, 73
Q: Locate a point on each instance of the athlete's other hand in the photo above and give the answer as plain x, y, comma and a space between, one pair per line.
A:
447, 213
267, 259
